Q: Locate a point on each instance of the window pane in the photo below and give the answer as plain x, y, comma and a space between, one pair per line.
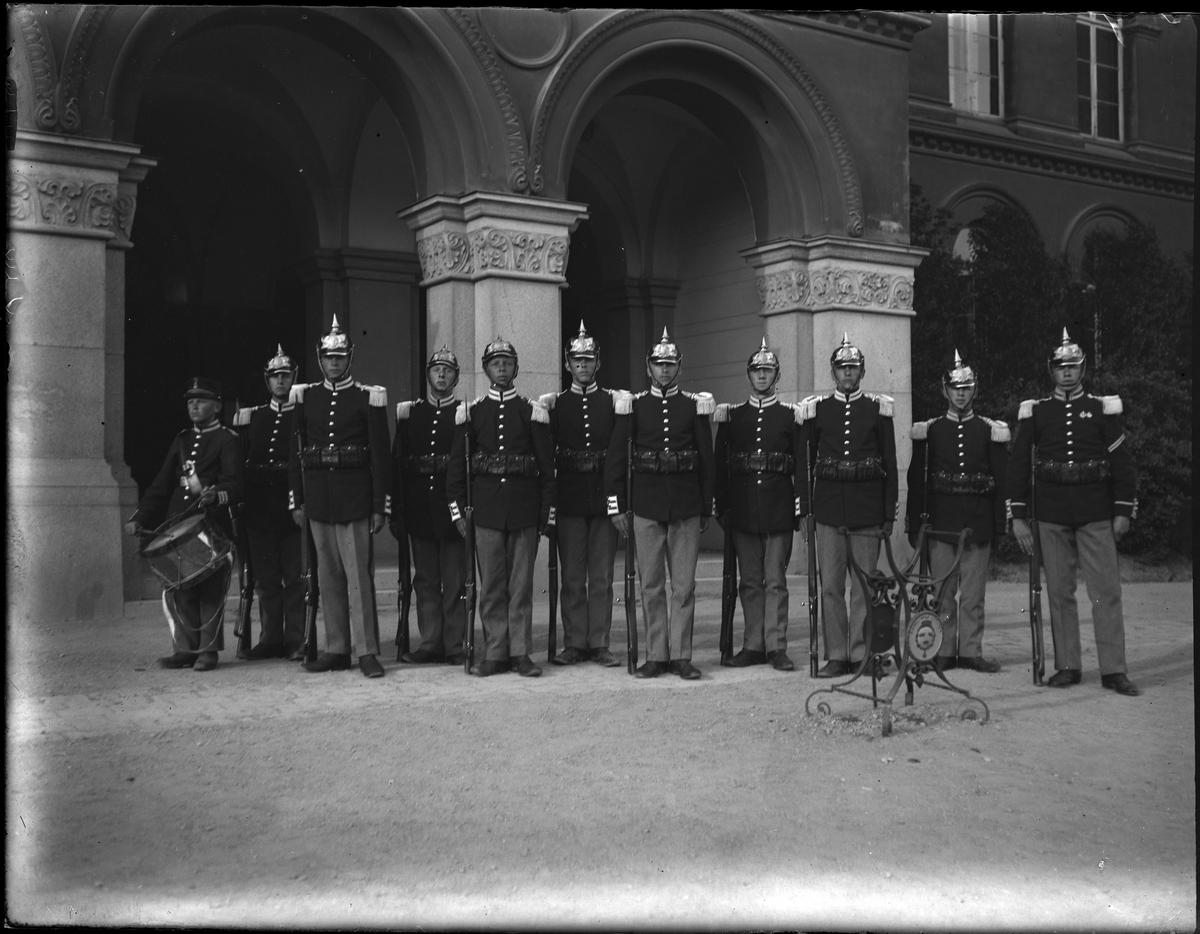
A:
1108, 118
1083, 73
1106, 48
994, 98
1083, 42
1106, 85
1085, 115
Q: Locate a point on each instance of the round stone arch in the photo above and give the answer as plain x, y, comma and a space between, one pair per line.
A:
801, 175
1107, 216
450, 143
968, 202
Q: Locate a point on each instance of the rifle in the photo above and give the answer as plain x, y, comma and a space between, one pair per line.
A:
552, 586
1035, 575
728, 592
469, 547
810, 526
631, 634
312, 592
241, 629
404, 589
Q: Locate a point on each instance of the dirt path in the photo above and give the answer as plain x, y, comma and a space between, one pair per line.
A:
259, 795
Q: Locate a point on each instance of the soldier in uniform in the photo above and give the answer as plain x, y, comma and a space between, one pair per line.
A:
956, 479
512, 492
673, 481
202, 469
848, 437
420, 456
581, 425
757, 459
266, 432
1086, 498
339, 475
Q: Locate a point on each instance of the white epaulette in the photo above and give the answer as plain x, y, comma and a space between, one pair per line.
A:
920, 430
622, 401
297, 393
806, 408
463, 412
540, 413
705, 403
1112, 404
377, 395
548, 399
721, 415
886, 403
1000, 430
1026, 408
241, 418
403, 410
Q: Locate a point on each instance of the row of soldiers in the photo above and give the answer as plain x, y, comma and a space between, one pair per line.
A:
574, 463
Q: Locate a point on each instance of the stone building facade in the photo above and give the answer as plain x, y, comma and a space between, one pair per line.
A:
189, 186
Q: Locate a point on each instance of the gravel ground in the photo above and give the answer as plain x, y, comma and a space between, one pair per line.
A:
258, 795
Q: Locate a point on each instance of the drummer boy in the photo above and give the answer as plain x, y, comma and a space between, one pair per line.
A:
202, 472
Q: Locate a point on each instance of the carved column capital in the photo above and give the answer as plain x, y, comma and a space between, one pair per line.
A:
834, 273
484, 235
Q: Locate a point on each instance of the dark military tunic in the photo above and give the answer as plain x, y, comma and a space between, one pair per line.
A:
516, 489
844, 437
956, 461
343, 427
581, 425
758, 491
666, 487
421, 450
1086, 472
267, 439
216, 453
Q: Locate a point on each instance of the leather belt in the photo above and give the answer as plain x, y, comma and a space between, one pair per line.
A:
830, 468
962, 484
1074, 473
665, 461
429, 464
337, 457
762, 462
507, 465
569, 461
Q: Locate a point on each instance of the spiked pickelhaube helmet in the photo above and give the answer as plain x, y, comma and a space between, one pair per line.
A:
280, 363
959, 376
583, 345
444, 357
1068, 353
847, 354
665, 351
762, 358
336, 343
499, 348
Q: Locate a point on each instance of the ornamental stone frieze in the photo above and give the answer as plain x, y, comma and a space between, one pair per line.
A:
486, 235
830, 273
71, 205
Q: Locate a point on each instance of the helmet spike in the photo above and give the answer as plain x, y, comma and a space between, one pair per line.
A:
957, 359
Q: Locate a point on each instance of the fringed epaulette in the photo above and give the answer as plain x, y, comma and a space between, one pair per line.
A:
721, 415
807, 408
1111, 404
548, 399
297, 393
403, 410
540, 413
886, 403
920, 430
241, 418
622, 401
463, 412
1026, 409
377, 395
705, 403
1000, 430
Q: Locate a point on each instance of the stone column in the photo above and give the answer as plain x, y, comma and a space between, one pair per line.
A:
814, 291
494, 265
70, 210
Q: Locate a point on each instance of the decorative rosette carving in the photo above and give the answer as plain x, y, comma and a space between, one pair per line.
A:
783, 290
